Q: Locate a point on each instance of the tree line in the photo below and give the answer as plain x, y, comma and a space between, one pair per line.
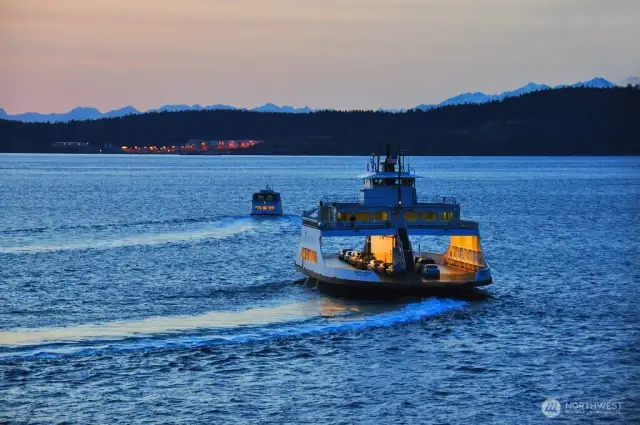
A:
567, 121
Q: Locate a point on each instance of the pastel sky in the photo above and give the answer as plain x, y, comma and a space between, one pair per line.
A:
57, 54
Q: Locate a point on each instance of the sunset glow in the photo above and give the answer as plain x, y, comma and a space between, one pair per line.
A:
55, 55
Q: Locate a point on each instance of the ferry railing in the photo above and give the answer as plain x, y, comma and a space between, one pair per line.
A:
344, 225
348, 225
338, 199
437, 199
309, 213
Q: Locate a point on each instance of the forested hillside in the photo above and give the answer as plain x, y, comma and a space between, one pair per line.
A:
569, 121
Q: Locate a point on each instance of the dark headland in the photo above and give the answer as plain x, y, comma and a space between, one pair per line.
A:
567, 121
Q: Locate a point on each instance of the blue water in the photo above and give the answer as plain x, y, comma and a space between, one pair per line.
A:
137, 289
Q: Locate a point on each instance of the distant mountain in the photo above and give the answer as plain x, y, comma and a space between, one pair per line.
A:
219, 107
479, 97
634, 81
127, 110
528, 88
270, 107
87, 113
176, 108
83, 113
392, 110
78, 113
598, 82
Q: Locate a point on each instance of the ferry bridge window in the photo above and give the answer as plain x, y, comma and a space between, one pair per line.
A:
269, 197
428, 215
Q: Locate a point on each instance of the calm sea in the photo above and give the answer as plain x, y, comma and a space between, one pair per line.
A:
138, 289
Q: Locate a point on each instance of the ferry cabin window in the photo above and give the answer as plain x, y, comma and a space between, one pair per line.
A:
446, 216
257, 197
359, 216
411, 215
265, 208
363, 216
380, 216
428, 216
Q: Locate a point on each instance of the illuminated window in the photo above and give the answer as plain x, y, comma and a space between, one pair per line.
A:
410, 215
309, 255
341, 216
363, 216
380, 216
446, 216
429, 216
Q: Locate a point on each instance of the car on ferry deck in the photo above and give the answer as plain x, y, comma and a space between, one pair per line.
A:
430, 271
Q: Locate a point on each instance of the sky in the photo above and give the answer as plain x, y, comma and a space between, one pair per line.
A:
345, 54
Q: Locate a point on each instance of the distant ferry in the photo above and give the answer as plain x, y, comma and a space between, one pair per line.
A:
266, 202
384, 217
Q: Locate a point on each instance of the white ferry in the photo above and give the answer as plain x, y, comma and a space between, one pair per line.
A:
385, 216
266, 202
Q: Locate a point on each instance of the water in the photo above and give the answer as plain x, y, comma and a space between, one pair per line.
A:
136, 288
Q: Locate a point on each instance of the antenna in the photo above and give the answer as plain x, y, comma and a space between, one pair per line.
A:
399, 175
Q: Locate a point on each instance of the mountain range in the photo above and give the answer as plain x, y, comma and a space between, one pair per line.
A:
90, 113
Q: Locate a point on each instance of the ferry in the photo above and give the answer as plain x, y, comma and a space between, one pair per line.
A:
266, 202
383, 217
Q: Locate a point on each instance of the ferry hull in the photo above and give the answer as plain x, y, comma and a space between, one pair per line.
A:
396, 288
265, 214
